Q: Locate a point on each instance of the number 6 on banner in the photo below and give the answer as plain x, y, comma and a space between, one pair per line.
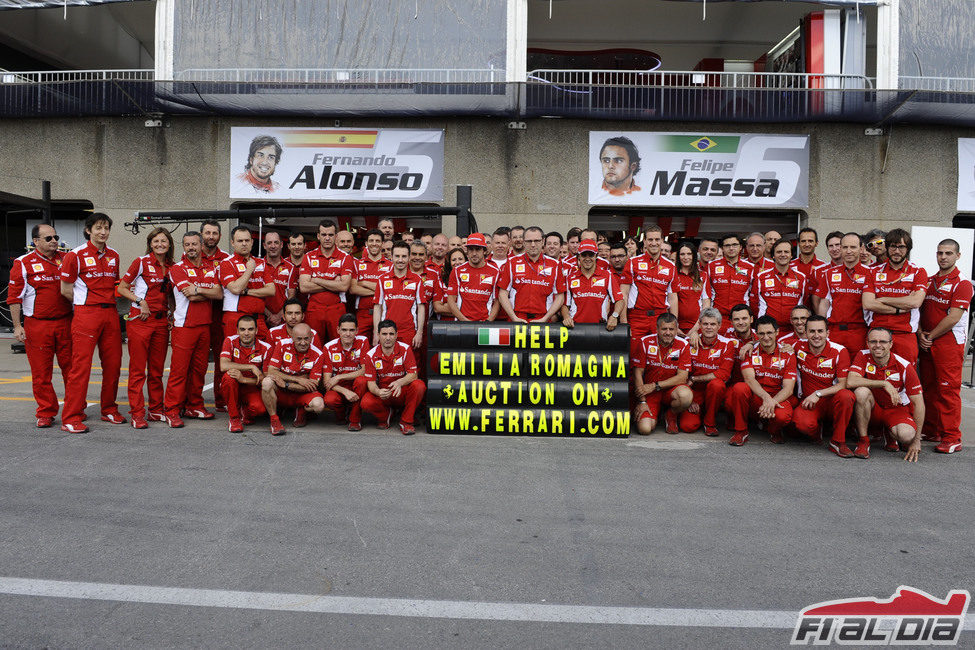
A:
754, 164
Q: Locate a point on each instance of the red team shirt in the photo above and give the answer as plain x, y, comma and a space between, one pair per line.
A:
285, 277
898, 372
590, 299
945, 292
383, 369
771, 370
336, 360
885, 282
775, 294
690, 301
92, 273
718, 357
476, 289
820, 371
370, 271
147, 277
323, 267
280, 333
231, 269
651, 282
288, 360
35, 285
258, 354
661, 363
400, 299
730, 284
531, 285
810, 270
844, 289
189, 313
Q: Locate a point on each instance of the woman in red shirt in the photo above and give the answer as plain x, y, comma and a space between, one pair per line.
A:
455, 258
693, 290
144, 285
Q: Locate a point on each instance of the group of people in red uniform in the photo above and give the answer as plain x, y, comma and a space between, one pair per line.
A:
788, 340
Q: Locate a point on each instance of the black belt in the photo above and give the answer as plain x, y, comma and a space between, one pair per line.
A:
846, 326
649, 312
104, 305
160, 315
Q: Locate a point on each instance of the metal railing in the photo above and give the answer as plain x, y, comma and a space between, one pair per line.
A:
938, 84
61, 76
693, 79
373, 76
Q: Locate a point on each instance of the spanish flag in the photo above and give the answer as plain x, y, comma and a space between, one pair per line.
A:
331, 139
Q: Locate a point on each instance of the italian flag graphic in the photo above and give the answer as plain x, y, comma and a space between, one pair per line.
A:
489, 336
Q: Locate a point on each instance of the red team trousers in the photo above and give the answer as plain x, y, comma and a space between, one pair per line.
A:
940, 375
837, 407
45, 340
147, 341
854, 338
187, 369
409, 398
709, 397
325, 320
241, 398
905, 345
337, 402
742, 403
93, 326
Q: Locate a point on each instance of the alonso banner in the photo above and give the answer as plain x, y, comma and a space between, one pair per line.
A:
698, 169
337, 164
518, 379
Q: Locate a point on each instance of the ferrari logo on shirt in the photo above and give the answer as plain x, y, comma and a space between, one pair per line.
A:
256, 358
792, 284
545, 270
288, 357
908, 278
398, 362
601, 282
334, 263
387, 284
284, 271
663, 270
90, 261
714, 354
465, 277
574, 284
858, 278
674, 354
111, 262
37, 267
742, 271
486, 279
778, 364
410, 285
336, 357
825, 363
307, 365
893, 376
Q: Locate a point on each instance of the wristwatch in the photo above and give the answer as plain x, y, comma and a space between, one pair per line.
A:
818, 394
616, 316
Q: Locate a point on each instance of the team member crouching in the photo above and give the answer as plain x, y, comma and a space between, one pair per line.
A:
292, 379
660, 374
243, 360
343, 377
294, 313
884, 385
391, 373
769, 374
712, 361
194, 285
823, 367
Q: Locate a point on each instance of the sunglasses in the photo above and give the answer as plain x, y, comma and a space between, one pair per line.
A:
50, 237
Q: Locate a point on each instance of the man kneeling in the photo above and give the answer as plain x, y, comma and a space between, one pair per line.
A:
243, 359
660, 374
343, 377
290, 380
884, 385
390, 370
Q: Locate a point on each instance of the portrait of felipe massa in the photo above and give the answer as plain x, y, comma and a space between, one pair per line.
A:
263, 156
619, 163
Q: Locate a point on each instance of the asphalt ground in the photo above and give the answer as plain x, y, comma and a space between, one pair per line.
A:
373, 539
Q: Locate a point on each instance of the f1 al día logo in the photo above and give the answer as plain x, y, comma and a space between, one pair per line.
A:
909, 617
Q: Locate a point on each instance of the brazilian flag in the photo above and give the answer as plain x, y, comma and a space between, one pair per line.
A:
701, 143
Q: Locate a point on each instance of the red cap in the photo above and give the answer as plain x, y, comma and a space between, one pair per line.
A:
476, 239
588, 246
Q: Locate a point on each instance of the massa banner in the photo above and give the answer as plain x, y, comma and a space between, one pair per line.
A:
528, 379
336, 164
719, 170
